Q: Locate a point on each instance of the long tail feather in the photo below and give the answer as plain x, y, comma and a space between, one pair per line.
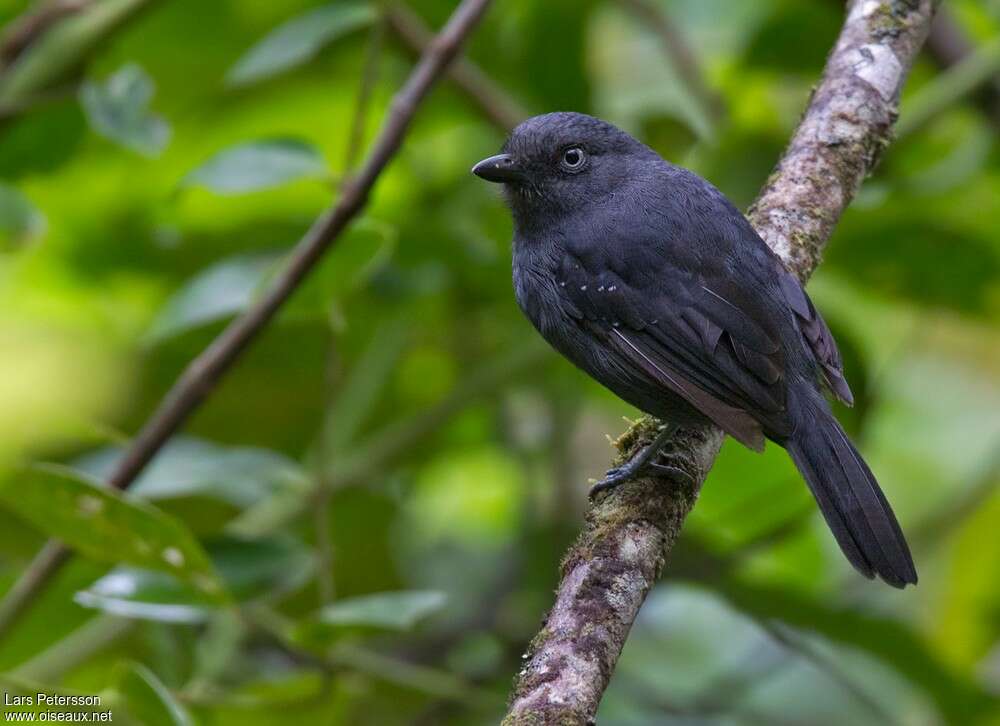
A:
849, 496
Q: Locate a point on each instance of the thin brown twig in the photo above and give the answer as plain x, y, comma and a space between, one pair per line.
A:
948, 45
321, 520
608, 572
792, 641
22, 31
942, 521
204, 372
47, 47
369, 77
682, 58
383, 447
496, 104
355, 143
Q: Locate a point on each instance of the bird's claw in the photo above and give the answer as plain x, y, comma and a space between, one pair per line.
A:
632, 469
612, 478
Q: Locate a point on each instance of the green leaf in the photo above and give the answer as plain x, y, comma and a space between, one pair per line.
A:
118, 109
230, 286
19, 220
218, 646
882, 636
273, 513
364, 386
634, 80
148, 700
107, 525
63, 48
190, 468
249, 569
296, 41
222, 290
105, 596
257, 165
392, 610
432, 681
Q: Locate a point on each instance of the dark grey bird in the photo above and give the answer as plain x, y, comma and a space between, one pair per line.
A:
646, 277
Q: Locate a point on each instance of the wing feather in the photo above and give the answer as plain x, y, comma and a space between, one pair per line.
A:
817, 335
735, 422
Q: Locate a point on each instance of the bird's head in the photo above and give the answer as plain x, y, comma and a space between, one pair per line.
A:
560, 162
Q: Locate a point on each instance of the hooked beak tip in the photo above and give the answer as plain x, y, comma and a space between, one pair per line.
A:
500, 169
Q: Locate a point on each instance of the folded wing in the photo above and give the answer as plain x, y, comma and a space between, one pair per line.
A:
700, 338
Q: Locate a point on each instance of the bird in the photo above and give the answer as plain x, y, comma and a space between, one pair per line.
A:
646, 277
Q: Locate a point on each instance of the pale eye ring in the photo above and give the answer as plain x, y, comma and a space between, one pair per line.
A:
573, 158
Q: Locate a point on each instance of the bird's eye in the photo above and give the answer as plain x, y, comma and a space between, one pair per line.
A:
573, 159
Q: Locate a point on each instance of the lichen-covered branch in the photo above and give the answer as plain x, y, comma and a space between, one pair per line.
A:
608, 572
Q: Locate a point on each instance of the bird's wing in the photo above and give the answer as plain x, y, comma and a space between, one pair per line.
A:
816, 334
687, 327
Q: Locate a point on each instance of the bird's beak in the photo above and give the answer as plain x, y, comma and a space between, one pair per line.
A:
500, 168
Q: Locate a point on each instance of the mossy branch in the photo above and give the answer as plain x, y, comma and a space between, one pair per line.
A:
610, 569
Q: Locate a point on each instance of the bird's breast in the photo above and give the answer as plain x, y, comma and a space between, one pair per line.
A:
537, 290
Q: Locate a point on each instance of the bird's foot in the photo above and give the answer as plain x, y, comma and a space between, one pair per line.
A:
612, 478
639, 464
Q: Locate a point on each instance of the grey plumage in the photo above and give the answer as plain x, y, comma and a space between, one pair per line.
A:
647, 278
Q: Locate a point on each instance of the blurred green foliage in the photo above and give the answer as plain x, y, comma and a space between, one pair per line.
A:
363, 524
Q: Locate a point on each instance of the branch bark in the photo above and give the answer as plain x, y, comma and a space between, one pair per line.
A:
608, 572
204, 372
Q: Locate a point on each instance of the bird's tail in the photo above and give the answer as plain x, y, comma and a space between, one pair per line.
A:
848, 495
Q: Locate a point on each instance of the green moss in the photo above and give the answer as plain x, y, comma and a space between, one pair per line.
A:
638, 434
536, 718
540, 638
884, 22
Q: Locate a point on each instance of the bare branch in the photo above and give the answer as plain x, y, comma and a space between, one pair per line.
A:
973, 73
369, 77
797, 644
23, 30
681, 56
502, 110
204, 372
45, 48
948, 45
608, 572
